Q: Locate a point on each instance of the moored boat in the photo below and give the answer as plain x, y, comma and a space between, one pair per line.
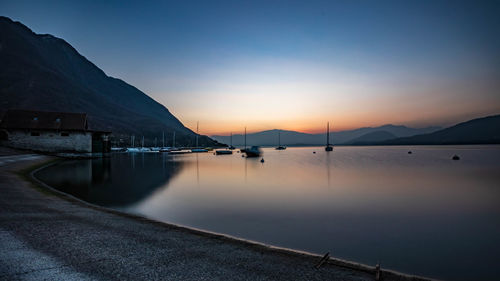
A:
197, 150
139, 149
179, 151
328, 147
253, 151
231, 147
280, 147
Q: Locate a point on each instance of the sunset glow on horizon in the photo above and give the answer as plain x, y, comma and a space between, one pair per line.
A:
250, 139
228, 65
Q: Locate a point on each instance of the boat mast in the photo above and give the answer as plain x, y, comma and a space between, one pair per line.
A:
231, 139
197, 123
245, 137
279, 137
142, 141
173, 140
163, 138
328, 134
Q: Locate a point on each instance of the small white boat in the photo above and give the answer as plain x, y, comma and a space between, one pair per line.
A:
169, 149
179, 151
138, 149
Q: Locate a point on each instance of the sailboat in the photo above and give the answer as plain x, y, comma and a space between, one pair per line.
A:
244, 149
196, 149
173, 149
176, 150
280, 147
231, 142
144, 149
328, 147
253, 151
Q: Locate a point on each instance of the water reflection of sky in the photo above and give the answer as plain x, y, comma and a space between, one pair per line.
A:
419, 213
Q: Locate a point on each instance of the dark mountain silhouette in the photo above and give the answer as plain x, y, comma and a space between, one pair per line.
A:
344, 137
372, 137
270, 137
484, 130
43, 72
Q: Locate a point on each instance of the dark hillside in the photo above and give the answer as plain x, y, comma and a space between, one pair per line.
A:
42, 72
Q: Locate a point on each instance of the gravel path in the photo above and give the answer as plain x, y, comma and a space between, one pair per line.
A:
46, 237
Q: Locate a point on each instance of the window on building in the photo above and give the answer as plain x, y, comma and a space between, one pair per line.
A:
64, 134
35, 134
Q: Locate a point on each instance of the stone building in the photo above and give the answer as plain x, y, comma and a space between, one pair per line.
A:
51, 132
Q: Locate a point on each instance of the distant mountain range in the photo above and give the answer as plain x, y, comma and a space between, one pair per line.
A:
484, 130
372, 137
43, 72
357, 136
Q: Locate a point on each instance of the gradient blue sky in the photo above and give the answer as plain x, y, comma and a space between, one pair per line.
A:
290, 64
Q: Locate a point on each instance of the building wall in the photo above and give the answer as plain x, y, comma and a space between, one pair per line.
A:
50, 141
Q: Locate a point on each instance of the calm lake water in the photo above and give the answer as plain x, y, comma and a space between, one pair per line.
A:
419, 213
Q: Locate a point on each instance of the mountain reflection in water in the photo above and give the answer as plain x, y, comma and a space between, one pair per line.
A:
119, 181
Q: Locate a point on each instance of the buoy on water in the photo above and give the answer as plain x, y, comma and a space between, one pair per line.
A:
409, 152
314, 152
455, 157
262, 160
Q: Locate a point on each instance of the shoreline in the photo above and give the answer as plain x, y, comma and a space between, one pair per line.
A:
246, 245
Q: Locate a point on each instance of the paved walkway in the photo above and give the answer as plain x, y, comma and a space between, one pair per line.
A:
6, 160
45, 237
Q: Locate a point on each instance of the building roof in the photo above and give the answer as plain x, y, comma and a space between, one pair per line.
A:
44, 120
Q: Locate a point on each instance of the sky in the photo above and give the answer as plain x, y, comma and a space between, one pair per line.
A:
292, 65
